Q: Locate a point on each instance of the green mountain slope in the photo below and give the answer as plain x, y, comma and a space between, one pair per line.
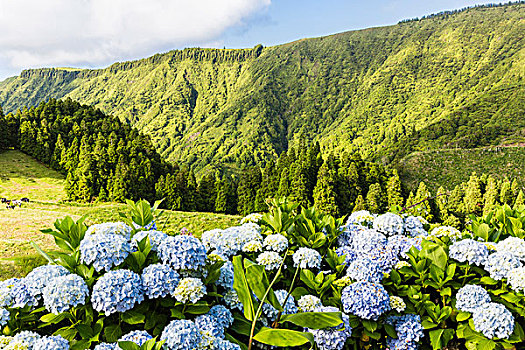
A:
447, 81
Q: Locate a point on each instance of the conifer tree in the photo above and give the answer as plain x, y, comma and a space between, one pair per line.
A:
473, 200
299, 186
491, 195
57, 154
505, 195
520, 200
284, 184
375, 199
359, 204
456, 205
191, 192
394, 190
324, 192
514, 189
206, 193
441, 204
221, 202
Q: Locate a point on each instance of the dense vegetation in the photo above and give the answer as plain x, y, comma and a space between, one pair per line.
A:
454, 80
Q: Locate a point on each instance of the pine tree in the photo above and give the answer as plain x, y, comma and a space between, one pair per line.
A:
441, 204
324, 191
394, 191
514, 189
57, 154
191, 204
299, 186
455, 203
375, 199
409, 205
506, 193
284, 184
359, 204
206, 193
520, 200
221, 201
473, 200
491, 196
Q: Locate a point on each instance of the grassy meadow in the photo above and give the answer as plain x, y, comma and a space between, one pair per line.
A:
22, 176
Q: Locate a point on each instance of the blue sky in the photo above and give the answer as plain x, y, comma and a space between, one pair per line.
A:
96, 33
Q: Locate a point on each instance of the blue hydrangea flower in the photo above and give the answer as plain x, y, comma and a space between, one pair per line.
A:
222, 315
366, 270
470, 297
409, 331
414, 227
309, 303
333, 338
368, 241
389, 224
209, 326
159, 280
104, 250
155, 237
51, 343
4, 317
385, 257
348, 252
41, 276
476, 253
270, 260
14, 293
64, 293
516, 279
348, 232
138, 337
26, 338
190, 290
289, 308
222, 344
181, 335
512, 245
231, 240
361, 217
117, 291
366, 300
182, 252
307, 258
106, 346
493, 320
499, 264
106, 228
276, 242
402, 244
232, 300
226, 277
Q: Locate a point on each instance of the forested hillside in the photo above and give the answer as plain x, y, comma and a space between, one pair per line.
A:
452, 80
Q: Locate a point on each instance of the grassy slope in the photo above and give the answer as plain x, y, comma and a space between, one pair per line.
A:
21, 176
355, 89
450, 167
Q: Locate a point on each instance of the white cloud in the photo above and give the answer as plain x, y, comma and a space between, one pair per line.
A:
36, 33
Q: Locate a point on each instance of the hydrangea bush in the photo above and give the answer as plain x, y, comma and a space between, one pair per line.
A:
291, 278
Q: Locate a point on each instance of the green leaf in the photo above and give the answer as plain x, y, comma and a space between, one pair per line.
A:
128, 345
370, 326
112, 333
259, 284
240, 284
435, 253
314, 320
462, 316
133, 317
390, 330
283, 337
52, 318
439, 338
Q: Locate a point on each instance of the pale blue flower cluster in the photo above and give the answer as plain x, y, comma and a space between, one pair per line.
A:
138, 337
386, 257
366, 270
332, 338
4, 317
446, 231
105, 346
276, 242
414, 226
402, 244
25, 338
222, 315
348, 253
155, 237
182, 252
51, 343
190, 290
469, 250
409, 331
230, 241
252, 247
493, 320
42, 276
470, 297
117, 291
209, 327
152, 226
225, 279
368, 241
361, 217
114, 228
308, 303
159, 280
14, 293
389, 224
499, 264
366, 300
348, 232
104, 250
232, 300
307, 258
270, 260
181, 335
516, 279
252, 218
513, 245
64, 293
222, 344
288, 308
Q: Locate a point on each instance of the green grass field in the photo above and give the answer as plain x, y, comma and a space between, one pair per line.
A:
22, 176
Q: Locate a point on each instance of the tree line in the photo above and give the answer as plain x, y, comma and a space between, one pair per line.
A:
106, 160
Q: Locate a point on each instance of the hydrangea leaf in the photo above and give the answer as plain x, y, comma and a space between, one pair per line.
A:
283, 337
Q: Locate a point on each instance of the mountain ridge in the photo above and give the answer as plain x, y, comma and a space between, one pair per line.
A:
370, 89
